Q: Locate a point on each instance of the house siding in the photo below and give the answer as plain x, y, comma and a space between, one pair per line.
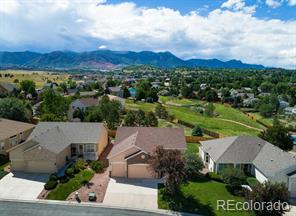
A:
260, 176
20, 137
103, 141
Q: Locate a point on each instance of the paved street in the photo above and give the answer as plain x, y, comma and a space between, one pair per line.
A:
38, 209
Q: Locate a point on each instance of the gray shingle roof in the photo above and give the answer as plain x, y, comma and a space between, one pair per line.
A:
8, 86
268, 158
55, 136
272, 160
53, 139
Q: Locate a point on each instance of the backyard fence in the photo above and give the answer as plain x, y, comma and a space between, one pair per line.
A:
197, 139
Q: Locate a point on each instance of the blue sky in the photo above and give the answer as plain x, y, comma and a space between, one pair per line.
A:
254, 31
283, 11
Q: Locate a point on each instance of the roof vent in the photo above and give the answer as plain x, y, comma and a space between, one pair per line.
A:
271, 160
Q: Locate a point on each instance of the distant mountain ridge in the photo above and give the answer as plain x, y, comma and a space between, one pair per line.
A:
107, 59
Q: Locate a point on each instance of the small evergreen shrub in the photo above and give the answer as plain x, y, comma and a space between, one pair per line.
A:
96, 166
50, 184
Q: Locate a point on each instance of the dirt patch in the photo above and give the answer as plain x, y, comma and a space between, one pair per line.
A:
98, 184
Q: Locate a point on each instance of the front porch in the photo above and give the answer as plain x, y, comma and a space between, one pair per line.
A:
86, 151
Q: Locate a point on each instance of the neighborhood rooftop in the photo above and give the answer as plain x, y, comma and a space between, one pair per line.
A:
9, 128
268, 158
76, 132
147, 138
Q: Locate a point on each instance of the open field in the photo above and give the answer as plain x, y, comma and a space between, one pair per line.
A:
230, 121
39, 77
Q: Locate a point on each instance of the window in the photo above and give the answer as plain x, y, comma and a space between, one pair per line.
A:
89, 148
13, 140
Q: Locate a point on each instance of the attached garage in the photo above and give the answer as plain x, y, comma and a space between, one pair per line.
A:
41, 166
118, 170
139, 171
17, 165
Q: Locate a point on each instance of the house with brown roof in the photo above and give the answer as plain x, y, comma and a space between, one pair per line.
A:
133, 146
52, 145
12, 133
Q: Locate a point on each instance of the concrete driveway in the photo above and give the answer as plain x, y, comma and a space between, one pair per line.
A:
132, 193
22, 186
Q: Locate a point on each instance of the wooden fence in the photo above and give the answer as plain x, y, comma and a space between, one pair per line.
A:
197, 139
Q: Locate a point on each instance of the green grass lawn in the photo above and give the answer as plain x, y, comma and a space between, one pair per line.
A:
223, 127
201, 197
63, 190
192, 147
163, 124
216, 124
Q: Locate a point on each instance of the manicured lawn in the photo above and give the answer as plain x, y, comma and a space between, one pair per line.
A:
146, 107
192, 147
163, 124
63, 190
201, 197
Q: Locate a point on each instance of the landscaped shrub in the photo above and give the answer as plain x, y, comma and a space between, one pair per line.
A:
252, 182
3, 159
3, 173
214, 176
197, 131
96, 166
234, 177
50, 184
70, 172
80, 164
53, 177
64, 179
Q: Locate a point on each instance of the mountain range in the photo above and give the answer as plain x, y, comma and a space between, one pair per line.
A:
107, 60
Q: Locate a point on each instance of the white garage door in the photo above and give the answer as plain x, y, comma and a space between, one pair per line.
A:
41, 167
118, 170
139, 171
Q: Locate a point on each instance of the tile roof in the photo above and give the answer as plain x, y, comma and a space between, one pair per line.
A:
10, 128
148, 138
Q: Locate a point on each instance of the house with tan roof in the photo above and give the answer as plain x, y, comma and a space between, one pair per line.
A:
133, 147
254, 155
13, 133
52, 145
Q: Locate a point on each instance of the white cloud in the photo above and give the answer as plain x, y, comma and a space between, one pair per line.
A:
77, 25
102, 47
234, 4
292, 2
8, 6
273, 3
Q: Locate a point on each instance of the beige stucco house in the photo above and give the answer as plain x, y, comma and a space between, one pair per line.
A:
129, 156
12, 133
52, 144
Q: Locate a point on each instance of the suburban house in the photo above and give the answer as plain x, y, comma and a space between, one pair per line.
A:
253, 155
52, 144
82, 104
13, 133
290, 111
133, 146
116, 91
6, 88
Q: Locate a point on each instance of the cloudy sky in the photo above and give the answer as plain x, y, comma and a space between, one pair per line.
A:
254, 31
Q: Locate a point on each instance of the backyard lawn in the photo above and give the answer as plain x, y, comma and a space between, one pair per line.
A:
63, 190
192, 147
201, 197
